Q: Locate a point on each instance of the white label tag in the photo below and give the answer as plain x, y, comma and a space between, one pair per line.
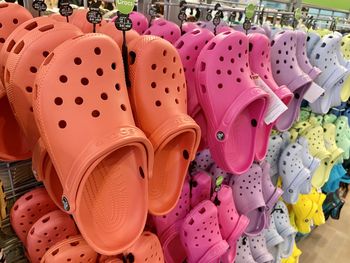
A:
275, 106
313, 93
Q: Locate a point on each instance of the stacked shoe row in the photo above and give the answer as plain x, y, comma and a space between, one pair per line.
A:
114, 162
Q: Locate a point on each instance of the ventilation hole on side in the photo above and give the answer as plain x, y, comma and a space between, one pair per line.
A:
95, 113
48, 59
46, 28
29, 89
142, 174
180, 44
239, 55
153, 85
33, 69
158, 103
63, 79
79, 100
250, 47
317, 56
55, 252
165, 53
211, 46
254, 122
114, 66
104, 96
203, 66
202, 210
154, 67
31, 26
117, 86
45, 53
18, 47
97, 51
77, 61
232, 60
99, 72
2, 40
11, 45
218, 72
62, 124
185, 154
46, 219
296, 95
220, 86
279, 52
84, 81
173, 76
58, 101
291, 67
221, 58
166, 90
123, 107
238, 80
278, 72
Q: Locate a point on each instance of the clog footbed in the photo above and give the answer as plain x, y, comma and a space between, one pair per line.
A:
259, 250
139, 22
293, 172
318, 198
28, 209
73, 249
200, 187
259, 61
231, 102
47, 231
200, 234
342, 135
249, 199
277, 143
110, 30
286, 71
270, 192
189, 46
13, 146
79, 19
164, 29
304, 211
232, 225
168, 227
24, 61
202, 161
284, 228
175, 135
119, 150
302, 58
244, 253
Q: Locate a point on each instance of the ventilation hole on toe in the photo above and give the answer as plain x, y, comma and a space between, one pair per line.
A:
211, 46
158, 103
46, 219
238, 80
123, 107
232, 60
278, 72
104, 96
58, 101
218, 72
11, 45
114, 66
254, 122
221, 58
97, 51
46, 28
95, 113
31, 26
180, 44
191, 222
176, 101
167, 90
79, 100
117, 86
29, 89
62, 124
84, 81
203, 66
142, 174
317, 56
173, 76
99, 72
153, 85
63, 79
154, 67
185, 154
291, 67
77, 61
229, 72
202, 210
241, 69
46, 53
164, 53
33, 69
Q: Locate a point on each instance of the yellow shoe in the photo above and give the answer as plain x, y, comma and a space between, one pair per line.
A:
304, 210
318, 199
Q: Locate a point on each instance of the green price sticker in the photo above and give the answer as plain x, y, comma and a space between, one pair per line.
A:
125, 6
297, 14
219, 181
249, 11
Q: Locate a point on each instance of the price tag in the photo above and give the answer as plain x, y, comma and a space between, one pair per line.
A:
275, 106
94, 16
313, 93
209, 16
249, 11
39, 5
66, 10
123, 23
182, 15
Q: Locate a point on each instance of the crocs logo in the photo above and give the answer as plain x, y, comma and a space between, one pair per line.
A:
183, 120
122, 132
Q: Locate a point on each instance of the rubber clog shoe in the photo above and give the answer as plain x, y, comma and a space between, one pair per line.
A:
284, 228
200, 187
249, 199
244, 253
119, 150
311, 40
231, 102
286, 71
189, 26
342, 60
232, 225
174, 135
168, 227
13, 145
47, 231
28, 209
270, 192
318, 198
201, 235
334, 180
164, 29
110, 30
324, 56
293, 172
277, 144
273, 240
259, 250
259, 61
74, 249
189, 47
304, 211
345, 46
139, 22
342, 135
302, 58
